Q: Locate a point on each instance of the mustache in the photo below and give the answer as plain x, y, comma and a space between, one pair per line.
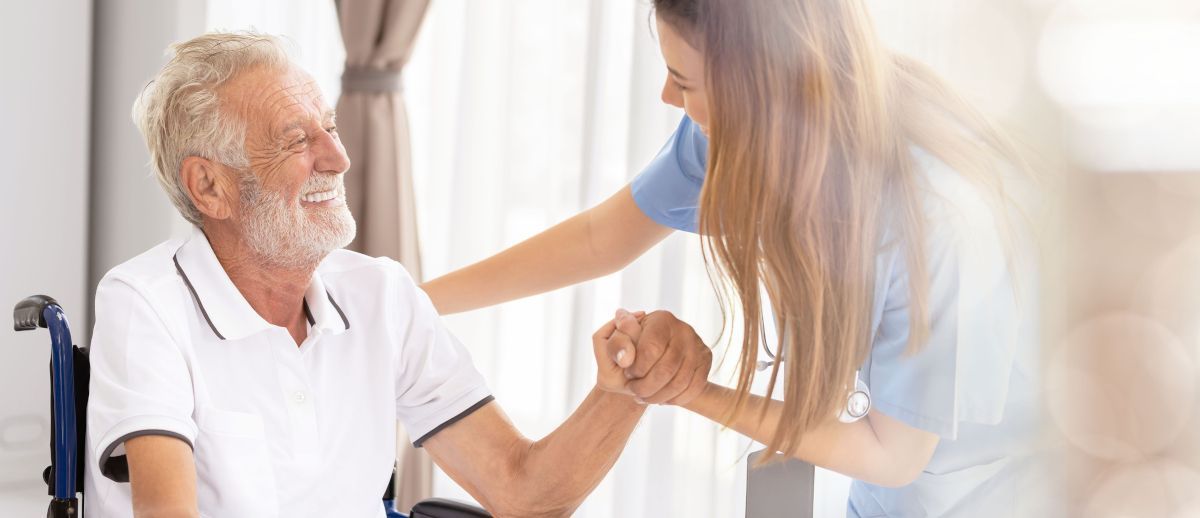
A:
319, 184
253, 190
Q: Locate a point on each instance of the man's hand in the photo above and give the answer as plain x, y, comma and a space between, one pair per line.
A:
663, 359
614, 352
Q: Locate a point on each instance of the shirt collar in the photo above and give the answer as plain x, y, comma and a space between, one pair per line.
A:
225, 309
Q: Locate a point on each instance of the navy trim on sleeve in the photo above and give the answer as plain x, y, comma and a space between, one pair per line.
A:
117, 468
417, 443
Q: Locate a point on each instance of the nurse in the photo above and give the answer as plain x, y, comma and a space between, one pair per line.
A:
873, 209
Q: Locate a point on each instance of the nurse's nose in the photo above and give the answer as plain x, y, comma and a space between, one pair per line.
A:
671, 94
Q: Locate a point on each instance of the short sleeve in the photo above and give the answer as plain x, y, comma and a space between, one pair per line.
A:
140, 380
668, 189
961, 374
436, 383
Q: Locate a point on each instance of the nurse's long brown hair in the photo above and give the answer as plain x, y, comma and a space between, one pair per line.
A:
811, 125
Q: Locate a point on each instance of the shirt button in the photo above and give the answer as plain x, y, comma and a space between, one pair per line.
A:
299, 397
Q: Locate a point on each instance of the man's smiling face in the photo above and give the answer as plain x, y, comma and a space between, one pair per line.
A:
292, 208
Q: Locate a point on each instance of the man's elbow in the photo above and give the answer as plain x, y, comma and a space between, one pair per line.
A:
167, 512
520, 492
522, 500
531, 509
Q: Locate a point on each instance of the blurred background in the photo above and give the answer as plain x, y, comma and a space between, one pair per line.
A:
523, 112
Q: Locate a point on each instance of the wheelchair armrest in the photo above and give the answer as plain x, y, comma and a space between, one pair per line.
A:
445, 508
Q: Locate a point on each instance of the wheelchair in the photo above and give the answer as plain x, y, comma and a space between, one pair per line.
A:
69, 375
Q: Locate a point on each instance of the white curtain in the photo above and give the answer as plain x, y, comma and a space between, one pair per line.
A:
528, 111
310, 26
524, 113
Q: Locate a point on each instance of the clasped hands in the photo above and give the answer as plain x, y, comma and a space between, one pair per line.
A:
654, 357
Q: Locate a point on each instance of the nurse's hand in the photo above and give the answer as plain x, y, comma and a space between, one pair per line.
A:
663, 357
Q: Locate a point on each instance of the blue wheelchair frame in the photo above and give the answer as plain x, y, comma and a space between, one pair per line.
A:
69, 367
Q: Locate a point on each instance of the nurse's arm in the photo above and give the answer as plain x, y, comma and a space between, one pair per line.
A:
877, 449
162, 477
591, 244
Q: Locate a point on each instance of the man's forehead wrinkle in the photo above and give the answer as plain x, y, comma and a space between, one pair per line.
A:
273, 104
290, 113
281, 99
247, 92
323, 111
302, 100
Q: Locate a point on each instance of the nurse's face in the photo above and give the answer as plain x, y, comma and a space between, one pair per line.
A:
684, 87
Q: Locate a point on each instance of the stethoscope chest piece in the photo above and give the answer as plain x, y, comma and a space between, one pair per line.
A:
858, 402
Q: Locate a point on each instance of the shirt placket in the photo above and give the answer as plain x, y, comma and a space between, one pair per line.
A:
299, 400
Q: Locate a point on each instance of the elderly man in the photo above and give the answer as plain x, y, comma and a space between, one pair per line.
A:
255, 369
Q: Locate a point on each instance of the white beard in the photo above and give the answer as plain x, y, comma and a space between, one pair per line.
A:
283, 233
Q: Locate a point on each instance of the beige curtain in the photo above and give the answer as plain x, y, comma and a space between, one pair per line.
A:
373, 124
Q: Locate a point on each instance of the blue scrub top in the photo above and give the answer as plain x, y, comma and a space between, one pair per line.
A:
971, 383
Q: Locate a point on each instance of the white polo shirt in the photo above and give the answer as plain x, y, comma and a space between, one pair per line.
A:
276, 429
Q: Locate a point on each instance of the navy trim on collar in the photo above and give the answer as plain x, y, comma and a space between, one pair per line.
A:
338, 308
307, 312
195, 297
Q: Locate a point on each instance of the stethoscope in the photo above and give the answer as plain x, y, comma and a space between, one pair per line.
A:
858, 399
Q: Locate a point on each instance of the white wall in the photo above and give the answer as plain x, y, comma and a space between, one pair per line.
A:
44, 96
131, 212
53, 100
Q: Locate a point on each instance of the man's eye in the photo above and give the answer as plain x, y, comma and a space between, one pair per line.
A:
331, 129
299, 141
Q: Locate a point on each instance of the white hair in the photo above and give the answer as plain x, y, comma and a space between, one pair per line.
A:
179, 112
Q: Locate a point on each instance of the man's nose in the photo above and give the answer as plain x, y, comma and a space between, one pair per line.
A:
331, 156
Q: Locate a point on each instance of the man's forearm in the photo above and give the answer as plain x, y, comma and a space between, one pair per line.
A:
559, 471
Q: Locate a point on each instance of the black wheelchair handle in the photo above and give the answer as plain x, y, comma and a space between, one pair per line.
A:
446, 508
28, 313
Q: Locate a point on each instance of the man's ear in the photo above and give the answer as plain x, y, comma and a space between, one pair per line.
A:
209, 186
